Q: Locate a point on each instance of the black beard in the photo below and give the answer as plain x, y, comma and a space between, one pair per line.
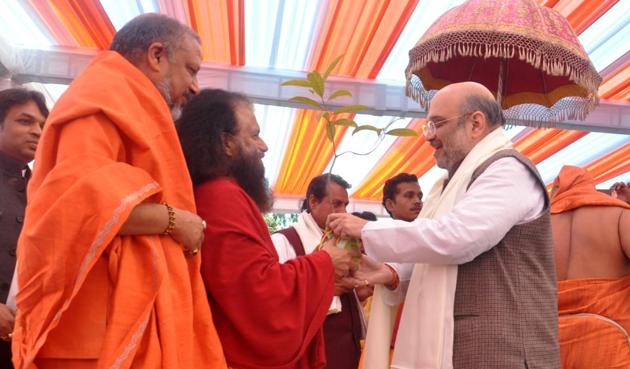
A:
250, 175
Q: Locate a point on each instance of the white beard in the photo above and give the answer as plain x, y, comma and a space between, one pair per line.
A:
165, 91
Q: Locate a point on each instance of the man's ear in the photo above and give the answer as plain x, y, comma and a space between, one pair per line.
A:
389, 204
230, 145
479, 125
156, 56
312, 201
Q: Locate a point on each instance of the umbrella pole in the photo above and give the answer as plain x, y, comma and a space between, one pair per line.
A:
502, 68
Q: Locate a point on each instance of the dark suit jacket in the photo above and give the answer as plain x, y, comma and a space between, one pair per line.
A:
12, 204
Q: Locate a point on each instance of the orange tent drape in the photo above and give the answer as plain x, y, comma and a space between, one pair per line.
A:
84, 20
407, 154
540, 144
365, 35
221, 26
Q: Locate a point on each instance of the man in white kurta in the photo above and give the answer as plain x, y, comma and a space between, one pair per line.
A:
402, 199
466, 215
344, 326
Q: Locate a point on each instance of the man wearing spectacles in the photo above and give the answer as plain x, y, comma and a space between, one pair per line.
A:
482, 291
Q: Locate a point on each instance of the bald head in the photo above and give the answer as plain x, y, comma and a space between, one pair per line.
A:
468, 97
466, 88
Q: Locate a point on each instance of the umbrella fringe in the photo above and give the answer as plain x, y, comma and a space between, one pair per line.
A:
550, 117
419, 94
538, 116
558, 67
555, 65
552, 65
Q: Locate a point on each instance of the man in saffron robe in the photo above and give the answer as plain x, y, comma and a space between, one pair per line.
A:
591, 232
107, 272
268, 314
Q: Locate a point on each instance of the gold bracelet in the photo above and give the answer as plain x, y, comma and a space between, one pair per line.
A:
171, 220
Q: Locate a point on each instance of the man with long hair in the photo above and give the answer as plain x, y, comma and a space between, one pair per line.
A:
268, 314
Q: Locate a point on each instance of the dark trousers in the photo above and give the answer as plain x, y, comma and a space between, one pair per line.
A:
5, 355
342, 335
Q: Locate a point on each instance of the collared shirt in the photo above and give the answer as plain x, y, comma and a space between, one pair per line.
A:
504, 195
13, 179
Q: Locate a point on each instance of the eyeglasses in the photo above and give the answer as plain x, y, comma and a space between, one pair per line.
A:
430, 127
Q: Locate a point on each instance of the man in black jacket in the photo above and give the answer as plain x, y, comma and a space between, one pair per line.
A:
22, 115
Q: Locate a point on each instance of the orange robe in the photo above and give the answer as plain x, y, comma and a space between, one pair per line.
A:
575, 187
594, 313
594, 323
88, 297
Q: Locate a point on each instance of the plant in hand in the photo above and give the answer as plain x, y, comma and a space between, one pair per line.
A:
322, 100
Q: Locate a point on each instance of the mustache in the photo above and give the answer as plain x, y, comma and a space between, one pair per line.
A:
188, 95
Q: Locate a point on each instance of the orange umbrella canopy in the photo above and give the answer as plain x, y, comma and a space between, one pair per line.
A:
526, 54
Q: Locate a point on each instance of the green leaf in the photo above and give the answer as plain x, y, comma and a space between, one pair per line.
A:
306, 100
339, 93
366, 127
330, 132
332, 66
350, 109
345, 122
402, 132
317, 82
326, 116
297, 82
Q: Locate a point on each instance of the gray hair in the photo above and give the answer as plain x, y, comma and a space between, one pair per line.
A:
488, 106
135, 37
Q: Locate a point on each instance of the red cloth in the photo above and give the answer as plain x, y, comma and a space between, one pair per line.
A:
268, 314
575, 187
87, 293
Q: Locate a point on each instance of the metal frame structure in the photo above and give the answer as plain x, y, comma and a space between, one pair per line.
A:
61, 65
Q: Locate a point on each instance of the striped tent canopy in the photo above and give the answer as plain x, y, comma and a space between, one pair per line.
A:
252, 46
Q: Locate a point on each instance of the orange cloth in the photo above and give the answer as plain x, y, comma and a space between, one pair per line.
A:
85, 292
593, 316
575, 187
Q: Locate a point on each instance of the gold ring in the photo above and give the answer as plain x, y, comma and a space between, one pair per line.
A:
203, 223
7, 338
192, 252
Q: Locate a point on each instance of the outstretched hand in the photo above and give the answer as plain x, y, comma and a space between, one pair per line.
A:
345, 225
341, 259
7, 319
347, 284
373, 272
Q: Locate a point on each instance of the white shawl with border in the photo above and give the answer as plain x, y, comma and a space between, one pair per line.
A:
425, 336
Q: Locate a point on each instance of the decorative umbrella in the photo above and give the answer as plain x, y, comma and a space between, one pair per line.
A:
526, 54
